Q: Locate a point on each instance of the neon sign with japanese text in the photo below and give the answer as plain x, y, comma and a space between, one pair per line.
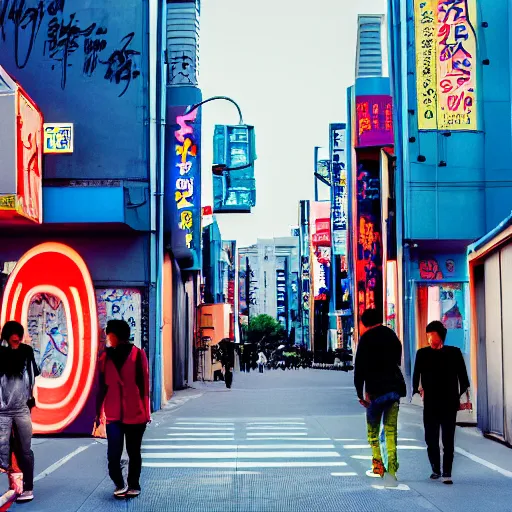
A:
186, 195
374, 117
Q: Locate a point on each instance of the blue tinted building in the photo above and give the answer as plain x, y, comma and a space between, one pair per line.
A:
452, 104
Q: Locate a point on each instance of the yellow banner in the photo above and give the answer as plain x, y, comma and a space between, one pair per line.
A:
456, 65
446, 81
426, 62
8, 202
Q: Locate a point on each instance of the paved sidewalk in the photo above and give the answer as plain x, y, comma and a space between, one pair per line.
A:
283, 441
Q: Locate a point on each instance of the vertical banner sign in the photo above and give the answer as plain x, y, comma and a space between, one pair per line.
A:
243, 312
229, 247
426, 63
339, 190
321, 249
305, 275
186, 181
374, 116
282, 298
446, 64
369, 239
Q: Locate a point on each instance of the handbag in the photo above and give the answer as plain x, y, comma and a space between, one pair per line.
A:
99, 430
467, 405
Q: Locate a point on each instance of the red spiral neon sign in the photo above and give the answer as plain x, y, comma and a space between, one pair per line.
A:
57, 269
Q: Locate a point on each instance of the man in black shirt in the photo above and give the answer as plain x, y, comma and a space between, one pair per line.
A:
380, 384
444, 380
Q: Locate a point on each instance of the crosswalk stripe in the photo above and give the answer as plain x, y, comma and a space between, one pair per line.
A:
281, 427
287, 438
277, 423
284, 434
348, 473
202, 428
365, 446
204, 423
235, 446
202, 434
241, 455
244, 464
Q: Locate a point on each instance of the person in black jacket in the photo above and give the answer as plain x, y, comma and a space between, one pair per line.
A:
380, 385
444, 379
18, 371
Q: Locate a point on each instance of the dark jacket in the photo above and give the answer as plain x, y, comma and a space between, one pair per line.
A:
442, 374
377, 366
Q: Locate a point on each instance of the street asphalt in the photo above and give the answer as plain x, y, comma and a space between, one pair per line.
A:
282, 441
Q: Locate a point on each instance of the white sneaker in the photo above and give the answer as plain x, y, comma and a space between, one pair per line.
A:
390, 480
371, 474
132, 493
120, 492
26, 496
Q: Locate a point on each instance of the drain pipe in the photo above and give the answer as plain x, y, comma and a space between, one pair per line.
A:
155, 179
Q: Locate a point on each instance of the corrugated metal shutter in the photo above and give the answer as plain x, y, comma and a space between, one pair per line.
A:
494, 345
506, 305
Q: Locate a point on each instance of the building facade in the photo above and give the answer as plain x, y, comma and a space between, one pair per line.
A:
271, 270
451, 86
96, 247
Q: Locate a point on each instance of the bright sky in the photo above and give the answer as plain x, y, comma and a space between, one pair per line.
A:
288, 64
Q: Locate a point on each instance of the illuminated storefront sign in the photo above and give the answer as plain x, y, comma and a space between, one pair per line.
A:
368, 243
446, 81
21, 147
185, 180
58, 138
320, 249
53, 275
374, 121
339, 197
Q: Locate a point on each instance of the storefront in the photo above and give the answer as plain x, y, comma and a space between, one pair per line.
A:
490, 264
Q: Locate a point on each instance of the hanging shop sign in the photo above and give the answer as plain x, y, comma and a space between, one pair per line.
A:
339, 196
374, 117
21, 149
183, 187
446, 81
58, 138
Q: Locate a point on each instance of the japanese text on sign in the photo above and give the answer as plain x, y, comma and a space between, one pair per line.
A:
186, 157
374, 116
58, 138
445, 65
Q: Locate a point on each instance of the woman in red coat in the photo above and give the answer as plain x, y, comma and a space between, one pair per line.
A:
124, 397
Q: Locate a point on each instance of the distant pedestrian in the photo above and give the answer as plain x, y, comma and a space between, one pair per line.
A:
262, 361
380, 385
440, 377
124, 396
227, 358
18, 371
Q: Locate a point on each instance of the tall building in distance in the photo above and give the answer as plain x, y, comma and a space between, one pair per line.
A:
269, 282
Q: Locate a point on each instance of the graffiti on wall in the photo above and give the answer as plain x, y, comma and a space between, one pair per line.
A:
66, 42
430, 270
446, 64
47, 328
120, 304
